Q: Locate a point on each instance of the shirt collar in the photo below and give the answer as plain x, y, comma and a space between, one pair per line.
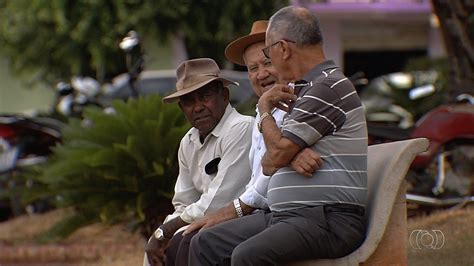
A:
313, 74
319, 70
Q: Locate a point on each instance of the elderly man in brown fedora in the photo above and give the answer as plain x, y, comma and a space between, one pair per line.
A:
213, 155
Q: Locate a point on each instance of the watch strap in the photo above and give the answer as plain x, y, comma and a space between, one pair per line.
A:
238, 208
263, 116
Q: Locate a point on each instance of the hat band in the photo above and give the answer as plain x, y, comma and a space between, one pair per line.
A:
195, 80
207, 75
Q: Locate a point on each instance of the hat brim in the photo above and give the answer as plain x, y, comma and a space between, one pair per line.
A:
235, 50
175, 96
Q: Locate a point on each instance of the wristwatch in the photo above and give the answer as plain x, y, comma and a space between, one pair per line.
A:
159, 234
238, 208
259, 123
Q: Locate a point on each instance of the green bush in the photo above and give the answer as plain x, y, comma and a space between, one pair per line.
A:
115, 167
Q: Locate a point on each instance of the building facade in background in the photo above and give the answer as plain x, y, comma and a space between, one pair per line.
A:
377, 36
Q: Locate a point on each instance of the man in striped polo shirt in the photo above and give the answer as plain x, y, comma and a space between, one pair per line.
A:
317, 217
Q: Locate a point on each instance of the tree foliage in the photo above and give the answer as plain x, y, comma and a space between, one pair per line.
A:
55, 39
121, 167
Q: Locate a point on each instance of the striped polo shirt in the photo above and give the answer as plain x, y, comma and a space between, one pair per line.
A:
328, 117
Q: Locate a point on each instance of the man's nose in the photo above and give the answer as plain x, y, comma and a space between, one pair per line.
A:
198, 105
262, 73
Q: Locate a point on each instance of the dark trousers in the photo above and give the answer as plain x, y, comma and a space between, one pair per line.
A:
271, 238
177, 253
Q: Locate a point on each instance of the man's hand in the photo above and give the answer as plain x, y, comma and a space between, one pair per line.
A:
155, 248
279, 96
155, 251
210, 219
306, 162
207, 221
170, 227
223, 214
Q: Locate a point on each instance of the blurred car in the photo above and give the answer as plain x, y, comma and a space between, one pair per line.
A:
163, 82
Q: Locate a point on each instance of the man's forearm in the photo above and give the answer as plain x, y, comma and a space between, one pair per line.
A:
268, 168
230, 211
272, 137
280, 150
224, 214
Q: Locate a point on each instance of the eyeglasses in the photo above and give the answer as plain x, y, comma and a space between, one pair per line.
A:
267, 48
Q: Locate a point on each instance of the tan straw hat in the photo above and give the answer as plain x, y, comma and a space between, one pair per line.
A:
235, 50
195, 74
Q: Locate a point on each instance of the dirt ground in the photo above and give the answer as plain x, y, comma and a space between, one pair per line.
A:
101, 245
92, 245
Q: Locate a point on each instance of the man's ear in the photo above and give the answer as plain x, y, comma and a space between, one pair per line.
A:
286, 51
226, 94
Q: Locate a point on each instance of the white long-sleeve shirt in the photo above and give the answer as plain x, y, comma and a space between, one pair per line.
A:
196, 192
255, 194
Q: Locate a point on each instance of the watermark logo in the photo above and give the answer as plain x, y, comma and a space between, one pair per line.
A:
427, 239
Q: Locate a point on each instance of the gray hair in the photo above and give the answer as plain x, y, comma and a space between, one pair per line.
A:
295, 24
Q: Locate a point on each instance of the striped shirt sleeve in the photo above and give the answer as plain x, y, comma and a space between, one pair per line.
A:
316, 114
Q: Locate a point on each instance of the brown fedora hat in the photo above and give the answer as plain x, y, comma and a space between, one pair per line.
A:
235, 50
194, 74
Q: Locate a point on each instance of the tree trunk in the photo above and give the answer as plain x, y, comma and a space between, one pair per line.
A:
457, 25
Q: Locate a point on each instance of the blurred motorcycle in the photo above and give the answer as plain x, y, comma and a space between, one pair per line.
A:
80, 92
443, 176
24, 142
73, 97
400, 98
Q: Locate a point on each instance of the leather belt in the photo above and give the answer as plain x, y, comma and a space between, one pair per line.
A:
341, 207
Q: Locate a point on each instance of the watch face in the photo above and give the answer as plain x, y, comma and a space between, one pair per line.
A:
159, 234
